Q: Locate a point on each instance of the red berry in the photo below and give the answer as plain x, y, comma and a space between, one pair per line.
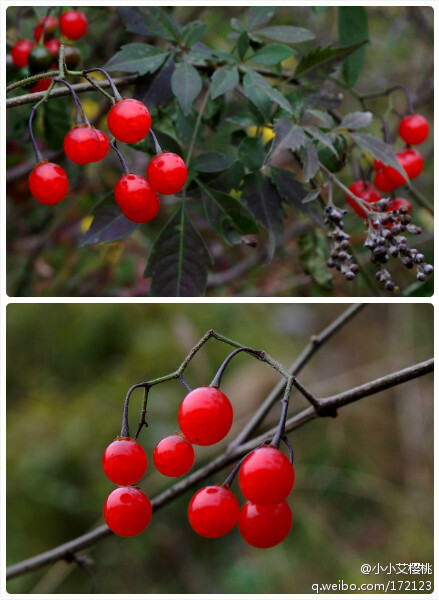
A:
167, 173
381, 182
53, 46
266, 476
136, 198
20, 52
412, 163
205, 416
82, 144
41, 86
263, 525
124, 461
213, 511
48, 183
104, 145
365, 191
413, 129
50, 24
73, 24
129, 120
127, 511
398, 203
174, 456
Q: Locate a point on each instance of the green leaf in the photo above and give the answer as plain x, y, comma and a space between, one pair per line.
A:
225, 79
166, 141
136, 58
380, 150
212, 162
310, 160
352, 28
287, 33
184, 128
265, 204
232, 207
237, 25
288, 136
323, 138
313, 252
186, 84
243, 44
272, 54
150, 21
108, 225
356, 120
320, 62
259, 15
251, 152
192, 33
294, 193
57, 122
259, 90
319, 9
179, 259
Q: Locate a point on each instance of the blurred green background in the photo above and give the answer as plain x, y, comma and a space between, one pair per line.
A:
364, 481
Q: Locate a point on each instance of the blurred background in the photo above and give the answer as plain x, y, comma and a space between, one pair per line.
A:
43, 257
364, 481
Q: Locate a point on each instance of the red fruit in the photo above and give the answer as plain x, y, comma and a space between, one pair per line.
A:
53, 47
136, 198
398, 203
264, 526
41, 86
127, 511
129, 120
20, 52
205, 416
48, 183
104, 145
412, 163
365, 191
413, 129
213, 511
73, 24
381, 182
82, 145
124, 461
174, 456
167, 173
51, 25
266, 476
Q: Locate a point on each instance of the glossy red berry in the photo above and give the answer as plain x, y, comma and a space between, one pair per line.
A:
365, 191
104, 145
129, 120
412, 163
413, 129
20, 53
41, 86
213, 511
205, 416
73, 24
266, 476
82, 144
381, 182
174, 456
136, 198
167, 173
50, 25
124, 461
53, 47
398, 203
48, 183
265, 525
127, 511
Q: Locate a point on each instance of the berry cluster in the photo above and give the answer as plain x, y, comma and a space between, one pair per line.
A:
340, 258
205, 416
128, 121
36, 57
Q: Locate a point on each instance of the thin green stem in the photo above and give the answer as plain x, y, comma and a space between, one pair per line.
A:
197, 126
31, 79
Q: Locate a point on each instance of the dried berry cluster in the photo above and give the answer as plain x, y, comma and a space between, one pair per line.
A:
340, 258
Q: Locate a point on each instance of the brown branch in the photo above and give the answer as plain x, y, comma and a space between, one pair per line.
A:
230, 455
